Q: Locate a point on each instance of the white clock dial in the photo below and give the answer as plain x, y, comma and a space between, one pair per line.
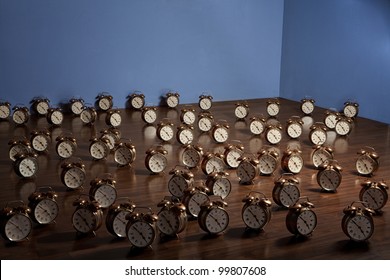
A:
18, 227
350, 110
241, 111
123, 155
141, 234
294, 130
74, 178
205, 124
246, 172
306, 222
166, 133
83, 220
189, 117
40, 143
256, 127
307, 107
360, 228
191, 158
217, 220
177, 185
295, 164
221, 134
77, 107
320, 157
137, 102
343, 127
205, 103
267, 164
255, 216
222, 187
5, 111
172, 101
18, 149
273, 109
318, 137
195, 202
157, 163
374, 198
46, 211
274, 135
28, 167
365, 164
104, 103
185, 136
329, 179
115, 119
119, 223
168, 223
214, 164
289, 194
330, 120
232, 156
57, 117
105, 195
99, 150
19, 116
42, 107
66, 149
150, 116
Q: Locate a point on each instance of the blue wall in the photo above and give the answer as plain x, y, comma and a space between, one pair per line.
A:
336, 50
65, 48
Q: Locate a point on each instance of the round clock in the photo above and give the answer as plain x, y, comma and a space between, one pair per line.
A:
220, 132
212, 162
256, 212
40, 105
307, 106
331, 117
17, 147
15, 222
73, 174
172, 217
165, 130
87, 218
219, 184
116, 218
286, 190
99, 148
301, 220
141, 228
40, 140
205, 121
292, 161
343, 126
273, 133
26, 165
241, 111
329, 176
233, 152
374, 195
273, 107
44, 206
357, 222
155, 160
5, 110
103, 190
294, 127
66, 146
55, 116
137, 100
20, 115
268, 161
205, 102
321, 155
113, 118
76, 106
193, 198
88, 115
113, 136
185, 134
351, 109
192, 155
367, 161
317, 134
187, 115
213, 217
181, 180
247, 170
149, 114
257, 125
172, 99
104, 101
124, 153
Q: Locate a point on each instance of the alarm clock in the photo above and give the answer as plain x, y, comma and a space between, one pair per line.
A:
18, 146
321, 155
273, 133
76, 106
212, 162
330, 119
193, 198
181, 180
286, 190
141, 228
317, 134
241, 110
294, 127
343, 126
73, 174
113, 135
40, 140
116, 217
54, 116
213, 217
219, 184
273, 107
66, 146
256, 211
5, 110
351, 109
104, 101
357, 222
268, 161
113, 118
301, 220
192, 155
367, 161
374, 195
185, 134
292, 160
172, 218
87, 218
307, 106
205, 102
40, 105
205, 121
220, 132
165, 130
155, 160
257, 125
20, 115
26, 165
232, 153
15, 222
103, 190
99, 148
124, 153
136, 100
329, 176
88, 115
43, 205
187, 115
149, 114
172, 99
247, 170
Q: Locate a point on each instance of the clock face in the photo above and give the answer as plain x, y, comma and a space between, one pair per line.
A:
205, 103
87, 116
123, 155
166, 132
289, 194
205, 124
185, 136
104, 103
84, 220
256, 127
366, 165
77, 107
111, 138
306, 222
255, 216
18, 227
329, 179
217, 220
350, 110
176, 185
188, 117
5, 111
56, 117
40, 142
343, 127
157, 163
214, 164
74, 177
137, 102
267, 164
115, 119
105, 195
172, 101
231, 157
222, 187
17, 149
168, 222
318, 136
119, 223
191, 157
99, 150
20, 116
273, 109
295, 163
359, 227
294, 130
241, 111
28, 167
220, 134
42, 107
320, 157
246, 172
274, 135
307, 107
46, 211
66, 148
196, 200
150, 116
374, 198
141, 234
330, 120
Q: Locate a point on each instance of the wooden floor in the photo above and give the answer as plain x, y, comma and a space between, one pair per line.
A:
60, 241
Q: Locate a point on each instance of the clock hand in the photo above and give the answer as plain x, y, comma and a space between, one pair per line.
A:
359, 227
287, 194
83, 218
168, 222
307, 225
16, 226
140, 233
254, 215
216, 220
373, 198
